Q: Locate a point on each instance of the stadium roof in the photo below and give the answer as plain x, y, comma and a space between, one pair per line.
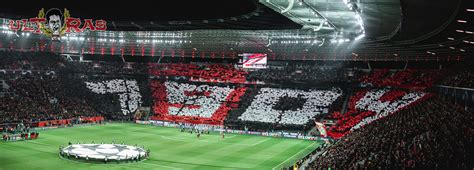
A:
171, 15
285, 29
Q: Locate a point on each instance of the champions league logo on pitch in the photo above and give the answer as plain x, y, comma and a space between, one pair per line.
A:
56, 23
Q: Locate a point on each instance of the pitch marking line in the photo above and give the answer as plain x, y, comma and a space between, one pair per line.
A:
230, 137
294, 155
40, 143
188, 140
260, 142
123, 165
160, 165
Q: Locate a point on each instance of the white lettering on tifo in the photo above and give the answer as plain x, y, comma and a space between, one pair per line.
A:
262, 108
127, 90
371, 102
193, 100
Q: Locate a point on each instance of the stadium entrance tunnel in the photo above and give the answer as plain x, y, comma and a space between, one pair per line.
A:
104, 153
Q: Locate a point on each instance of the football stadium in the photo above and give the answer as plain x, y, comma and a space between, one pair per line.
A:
237, 84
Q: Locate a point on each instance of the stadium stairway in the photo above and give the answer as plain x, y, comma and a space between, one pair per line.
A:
346, 100
4, 89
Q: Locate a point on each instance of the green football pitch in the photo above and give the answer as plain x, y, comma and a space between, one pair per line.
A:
169, 149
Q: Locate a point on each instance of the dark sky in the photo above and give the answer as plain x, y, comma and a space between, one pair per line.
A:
137, 10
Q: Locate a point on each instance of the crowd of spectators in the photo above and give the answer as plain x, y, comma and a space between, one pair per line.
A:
300, 106
463, 78
190, 103
191, 100
434, 134
366, 106
462, 75
15, 60
128, 91
10, 60
408, 78
298, 73
110, 67
205, 72
34, 99
110, 104
276, 108
430, 134
46, 86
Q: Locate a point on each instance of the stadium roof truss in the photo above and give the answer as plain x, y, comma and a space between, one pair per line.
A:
338, 16
331, 29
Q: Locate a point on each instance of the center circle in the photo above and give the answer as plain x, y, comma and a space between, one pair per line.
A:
104, 153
